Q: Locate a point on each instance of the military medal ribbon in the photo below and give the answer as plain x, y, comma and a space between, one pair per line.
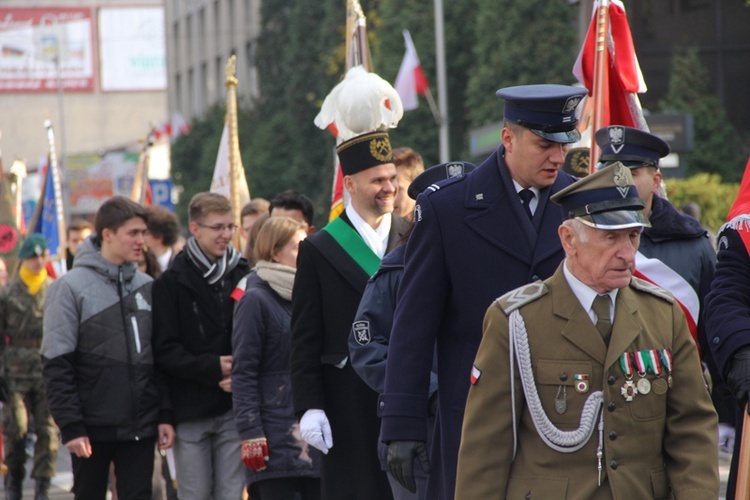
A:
644, 386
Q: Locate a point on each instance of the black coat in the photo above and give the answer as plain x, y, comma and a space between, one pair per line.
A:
192, 329
261, 383
472, 242
727, 317
327, 291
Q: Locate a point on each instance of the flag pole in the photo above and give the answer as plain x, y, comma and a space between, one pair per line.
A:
138, 193
235, 160
601, 77
57, 190
442, 86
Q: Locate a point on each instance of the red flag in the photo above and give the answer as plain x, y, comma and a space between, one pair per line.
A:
411, 80
620, 103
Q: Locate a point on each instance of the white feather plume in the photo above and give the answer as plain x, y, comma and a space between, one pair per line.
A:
362, 102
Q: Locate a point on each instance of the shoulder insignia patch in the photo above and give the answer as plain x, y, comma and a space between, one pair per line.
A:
362, 332
645, 286
522, 296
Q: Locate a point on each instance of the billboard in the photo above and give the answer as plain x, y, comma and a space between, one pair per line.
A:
39, 46
132, 47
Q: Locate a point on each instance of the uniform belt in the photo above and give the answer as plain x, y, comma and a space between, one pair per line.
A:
35, 343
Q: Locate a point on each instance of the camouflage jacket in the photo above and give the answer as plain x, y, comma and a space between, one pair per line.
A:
21, 323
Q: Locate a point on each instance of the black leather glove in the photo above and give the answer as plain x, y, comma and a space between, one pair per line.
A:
401, 455
738, 377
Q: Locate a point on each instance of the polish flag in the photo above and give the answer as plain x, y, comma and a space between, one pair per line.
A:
620, 104
410, 80
657, 272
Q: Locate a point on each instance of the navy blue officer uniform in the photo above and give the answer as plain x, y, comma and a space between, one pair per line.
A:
371, 329
472, 242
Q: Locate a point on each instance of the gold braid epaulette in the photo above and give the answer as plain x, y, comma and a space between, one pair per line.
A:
522, 296
646, 286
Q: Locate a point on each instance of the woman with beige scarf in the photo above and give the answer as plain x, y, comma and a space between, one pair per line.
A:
280, 463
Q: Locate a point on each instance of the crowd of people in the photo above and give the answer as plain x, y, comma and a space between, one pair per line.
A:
491, 331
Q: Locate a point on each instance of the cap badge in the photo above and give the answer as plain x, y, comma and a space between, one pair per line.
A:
571, 103
380, 149
621, 181
38, 250
617, 138
579, 161
455, 169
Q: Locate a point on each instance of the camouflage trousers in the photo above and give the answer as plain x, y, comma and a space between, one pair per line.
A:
27, 400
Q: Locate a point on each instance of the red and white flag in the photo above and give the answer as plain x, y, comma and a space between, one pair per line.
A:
657, 272
620, 103
411, 80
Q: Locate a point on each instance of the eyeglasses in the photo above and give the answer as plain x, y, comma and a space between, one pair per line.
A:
220, 228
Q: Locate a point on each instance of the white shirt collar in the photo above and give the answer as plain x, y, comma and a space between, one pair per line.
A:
376, 239
586, 295
164, 258
535, 201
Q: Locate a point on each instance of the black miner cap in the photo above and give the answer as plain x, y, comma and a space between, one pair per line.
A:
365, 151
438, 173
547, 110
632, 147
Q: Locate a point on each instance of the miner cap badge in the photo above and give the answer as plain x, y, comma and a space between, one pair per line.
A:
547, 110
606, 199
365, 151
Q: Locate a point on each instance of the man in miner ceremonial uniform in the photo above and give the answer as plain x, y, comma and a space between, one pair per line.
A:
588, 385
337, 409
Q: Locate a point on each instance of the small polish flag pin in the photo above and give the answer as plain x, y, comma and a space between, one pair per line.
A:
475, 374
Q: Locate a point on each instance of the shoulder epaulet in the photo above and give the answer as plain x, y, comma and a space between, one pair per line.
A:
648, 287
522, 296
443, 184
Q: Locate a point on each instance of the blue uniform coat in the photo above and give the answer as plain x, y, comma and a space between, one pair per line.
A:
472, 242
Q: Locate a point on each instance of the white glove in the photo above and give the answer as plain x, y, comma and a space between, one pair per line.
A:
316, 430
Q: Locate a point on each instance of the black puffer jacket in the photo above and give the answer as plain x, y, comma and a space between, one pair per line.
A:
192, 329
261, 384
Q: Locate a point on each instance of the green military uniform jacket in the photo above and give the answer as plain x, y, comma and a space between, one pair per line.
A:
21, 324
652, 444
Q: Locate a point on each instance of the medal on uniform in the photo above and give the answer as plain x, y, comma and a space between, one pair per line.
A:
644, 386
561, 400
628, 389
582, 382
665, 355
659, 385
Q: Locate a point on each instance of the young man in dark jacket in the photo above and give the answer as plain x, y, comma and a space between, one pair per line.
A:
97, 358
192, 346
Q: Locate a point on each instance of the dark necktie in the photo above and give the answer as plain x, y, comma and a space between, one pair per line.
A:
526, 196
601, 308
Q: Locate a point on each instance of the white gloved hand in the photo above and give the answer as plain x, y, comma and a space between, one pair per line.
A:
316, 430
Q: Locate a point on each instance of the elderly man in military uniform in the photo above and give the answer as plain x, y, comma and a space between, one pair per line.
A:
21, 307
588, 384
